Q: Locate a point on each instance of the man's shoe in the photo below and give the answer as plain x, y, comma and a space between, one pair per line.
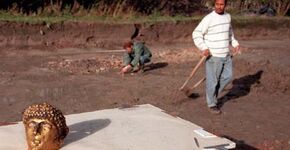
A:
215, 110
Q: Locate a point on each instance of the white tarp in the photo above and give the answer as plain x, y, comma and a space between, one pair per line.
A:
143, 127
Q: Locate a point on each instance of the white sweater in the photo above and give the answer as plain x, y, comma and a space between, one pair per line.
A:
215, 33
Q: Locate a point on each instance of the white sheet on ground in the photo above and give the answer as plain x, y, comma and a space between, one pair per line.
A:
143, 127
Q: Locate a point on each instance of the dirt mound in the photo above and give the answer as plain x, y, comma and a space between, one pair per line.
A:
111, 36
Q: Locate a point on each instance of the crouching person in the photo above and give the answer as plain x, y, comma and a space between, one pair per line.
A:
137, 54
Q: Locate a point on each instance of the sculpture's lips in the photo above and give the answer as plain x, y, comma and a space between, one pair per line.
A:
36, 142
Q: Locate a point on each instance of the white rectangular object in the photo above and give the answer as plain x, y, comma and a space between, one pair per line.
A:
143, 127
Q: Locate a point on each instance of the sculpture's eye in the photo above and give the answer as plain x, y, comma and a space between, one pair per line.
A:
32, 124
46, 125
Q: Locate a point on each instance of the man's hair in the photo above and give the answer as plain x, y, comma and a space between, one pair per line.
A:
127, 44
226, 1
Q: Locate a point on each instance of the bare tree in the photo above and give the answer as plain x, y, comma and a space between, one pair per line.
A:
281, 6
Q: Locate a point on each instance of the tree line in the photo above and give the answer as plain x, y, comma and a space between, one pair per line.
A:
281, 7
108, 7
144, 7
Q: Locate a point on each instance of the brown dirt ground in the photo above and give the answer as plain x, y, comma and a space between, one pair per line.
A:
64, 64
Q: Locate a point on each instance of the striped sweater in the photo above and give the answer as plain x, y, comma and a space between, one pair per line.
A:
215, 33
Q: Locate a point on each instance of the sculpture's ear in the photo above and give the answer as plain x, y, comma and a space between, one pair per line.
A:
64, 133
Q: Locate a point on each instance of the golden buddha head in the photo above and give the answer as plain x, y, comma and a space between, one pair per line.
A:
45, 127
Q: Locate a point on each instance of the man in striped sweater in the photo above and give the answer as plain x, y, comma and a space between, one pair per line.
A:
213, 37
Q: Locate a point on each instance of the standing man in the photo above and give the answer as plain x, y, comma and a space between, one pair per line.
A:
213, 36
137, 54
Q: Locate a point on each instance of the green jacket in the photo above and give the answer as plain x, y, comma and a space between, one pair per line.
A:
139, 49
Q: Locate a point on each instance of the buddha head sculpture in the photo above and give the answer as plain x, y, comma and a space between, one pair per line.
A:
45, 127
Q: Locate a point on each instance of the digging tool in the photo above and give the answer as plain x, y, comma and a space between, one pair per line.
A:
193, 72
187, 91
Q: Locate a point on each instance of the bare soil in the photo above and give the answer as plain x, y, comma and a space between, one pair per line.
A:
69, 66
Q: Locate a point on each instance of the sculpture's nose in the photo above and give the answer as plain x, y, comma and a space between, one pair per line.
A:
36, 129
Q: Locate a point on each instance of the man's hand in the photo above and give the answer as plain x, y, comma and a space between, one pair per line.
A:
206, 52
236, 50
126, 69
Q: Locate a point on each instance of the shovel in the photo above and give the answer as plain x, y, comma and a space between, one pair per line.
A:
187, 90
201, 61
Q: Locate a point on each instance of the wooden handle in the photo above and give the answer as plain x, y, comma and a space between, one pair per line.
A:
193, 72
198, 83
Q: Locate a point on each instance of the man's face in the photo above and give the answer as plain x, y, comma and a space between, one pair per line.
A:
129, 49
220, 6
41, 135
